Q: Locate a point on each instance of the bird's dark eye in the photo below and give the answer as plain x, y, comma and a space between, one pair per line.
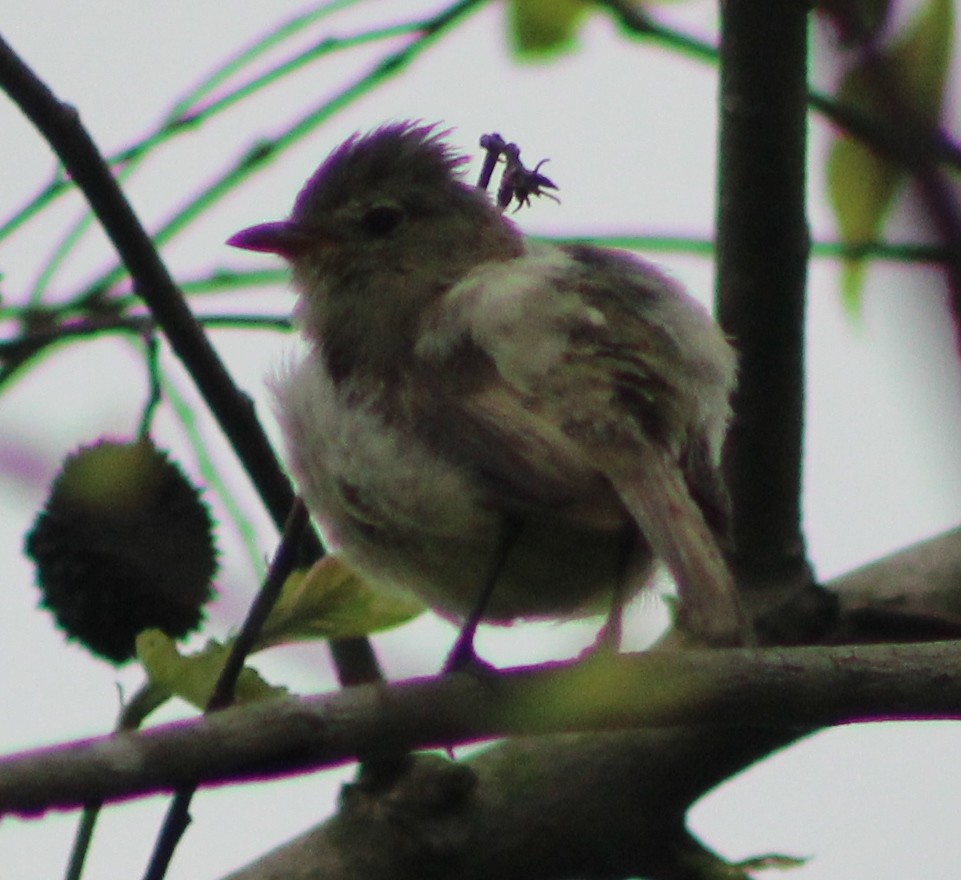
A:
382, 220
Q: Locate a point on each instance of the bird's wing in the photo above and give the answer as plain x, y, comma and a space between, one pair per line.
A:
577, 369
522, 457
656, 494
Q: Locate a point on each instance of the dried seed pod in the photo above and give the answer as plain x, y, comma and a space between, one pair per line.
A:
124, 543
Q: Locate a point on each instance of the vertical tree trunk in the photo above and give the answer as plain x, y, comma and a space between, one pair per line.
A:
762, 250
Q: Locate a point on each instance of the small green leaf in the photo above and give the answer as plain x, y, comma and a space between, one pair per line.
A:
920, 59
332, 601
192, 677
544, 27
862, 184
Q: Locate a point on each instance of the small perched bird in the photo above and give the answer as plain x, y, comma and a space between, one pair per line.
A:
505, 428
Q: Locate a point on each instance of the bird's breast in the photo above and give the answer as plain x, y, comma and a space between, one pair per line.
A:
360, 467
409, 517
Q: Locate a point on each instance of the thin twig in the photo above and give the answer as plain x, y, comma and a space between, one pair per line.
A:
154, 388
61, 126
133, 714
422, 35
938, 145
17, 348
284, 562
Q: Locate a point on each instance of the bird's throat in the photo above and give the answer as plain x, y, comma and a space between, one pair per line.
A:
376, 345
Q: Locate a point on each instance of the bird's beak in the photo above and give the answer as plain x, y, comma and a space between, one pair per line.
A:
286, 238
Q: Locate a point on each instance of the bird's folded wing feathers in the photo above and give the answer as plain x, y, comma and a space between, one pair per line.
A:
576, 385
658, 499
521, 456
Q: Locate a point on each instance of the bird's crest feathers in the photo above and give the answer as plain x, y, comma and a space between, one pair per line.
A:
370, 162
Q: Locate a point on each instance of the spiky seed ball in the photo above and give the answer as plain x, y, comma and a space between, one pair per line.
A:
124, 543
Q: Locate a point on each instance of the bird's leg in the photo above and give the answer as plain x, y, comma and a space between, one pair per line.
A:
609, 638
462, 655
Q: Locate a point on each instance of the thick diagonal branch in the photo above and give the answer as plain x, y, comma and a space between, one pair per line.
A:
61, 126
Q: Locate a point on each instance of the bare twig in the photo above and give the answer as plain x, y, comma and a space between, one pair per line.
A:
60, 124
938, 145
284, 562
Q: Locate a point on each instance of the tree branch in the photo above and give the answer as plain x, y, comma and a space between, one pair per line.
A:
937, 145
762, 251
60, 125
913, 595
588, 805
803, 687
807, 686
